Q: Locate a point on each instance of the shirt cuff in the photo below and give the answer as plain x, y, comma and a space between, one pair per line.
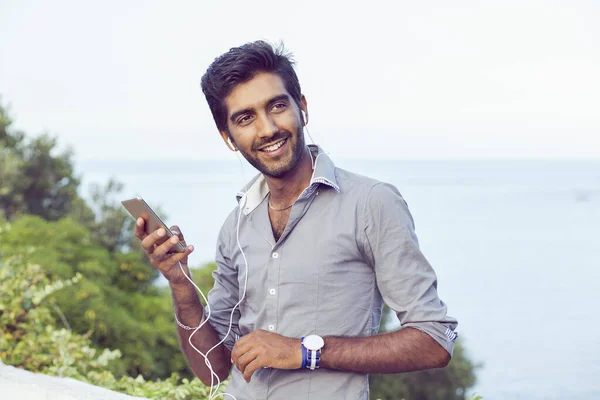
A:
443, 333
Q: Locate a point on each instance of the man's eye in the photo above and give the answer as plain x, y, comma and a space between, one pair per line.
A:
279, 106
245, 119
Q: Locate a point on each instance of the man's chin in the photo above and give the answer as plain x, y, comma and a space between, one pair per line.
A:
276, 168
276, 172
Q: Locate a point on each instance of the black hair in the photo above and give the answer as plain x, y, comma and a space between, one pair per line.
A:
241, 64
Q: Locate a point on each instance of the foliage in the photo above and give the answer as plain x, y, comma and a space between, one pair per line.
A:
117, 302
108, 222
30, 340
34, 178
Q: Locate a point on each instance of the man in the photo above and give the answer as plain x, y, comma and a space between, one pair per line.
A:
310, 253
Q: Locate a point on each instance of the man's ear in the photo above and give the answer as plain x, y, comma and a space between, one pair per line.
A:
228, 141
304, 110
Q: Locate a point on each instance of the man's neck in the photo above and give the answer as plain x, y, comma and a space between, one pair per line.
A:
285, 190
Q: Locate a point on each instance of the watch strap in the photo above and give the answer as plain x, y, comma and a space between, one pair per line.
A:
304, 355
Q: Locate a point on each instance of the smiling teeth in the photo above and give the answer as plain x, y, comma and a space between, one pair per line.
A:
275, 146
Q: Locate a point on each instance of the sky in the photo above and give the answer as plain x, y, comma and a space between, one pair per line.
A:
398, 79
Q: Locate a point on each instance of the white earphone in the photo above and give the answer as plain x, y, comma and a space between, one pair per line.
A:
231, 145
214, 389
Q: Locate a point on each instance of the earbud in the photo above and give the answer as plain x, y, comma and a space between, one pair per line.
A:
231, 145
304, 117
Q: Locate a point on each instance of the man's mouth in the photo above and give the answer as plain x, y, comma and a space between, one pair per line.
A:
273, 147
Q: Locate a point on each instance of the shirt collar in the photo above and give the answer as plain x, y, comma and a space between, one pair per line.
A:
323, 172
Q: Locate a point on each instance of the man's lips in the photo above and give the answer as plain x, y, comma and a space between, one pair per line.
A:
278, 143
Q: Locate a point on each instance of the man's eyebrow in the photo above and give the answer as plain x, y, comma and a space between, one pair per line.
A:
272, 100
275, 99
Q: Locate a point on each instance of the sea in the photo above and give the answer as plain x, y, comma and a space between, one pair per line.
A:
515, 245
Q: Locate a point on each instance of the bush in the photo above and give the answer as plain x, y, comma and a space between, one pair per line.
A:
30, 340
116, 301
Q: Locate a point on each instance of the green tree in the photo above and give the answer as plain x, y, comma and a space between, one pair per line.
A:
30, 339
117, 303
11, 166
35, 178
111, 226
106, 302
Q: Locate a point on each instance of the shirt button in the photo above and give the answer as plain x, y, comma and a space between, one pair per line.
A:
271, 327
275, 255
272, 291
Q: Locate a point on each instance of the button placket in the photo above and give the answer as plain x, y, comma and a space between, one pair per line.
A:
271, 288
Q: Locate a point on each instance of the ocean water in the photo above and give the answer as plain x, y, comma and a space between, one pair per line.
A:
515, 244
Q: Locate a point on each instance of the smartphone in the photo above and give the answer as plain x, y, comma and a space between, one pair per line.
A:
137, 207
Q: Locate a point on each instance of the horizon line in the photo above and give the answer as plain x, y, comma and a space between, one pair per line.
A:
376, 159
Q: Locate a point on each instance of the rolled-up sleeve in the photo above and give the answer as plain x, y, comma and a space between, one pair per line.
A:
224, 295
406, 280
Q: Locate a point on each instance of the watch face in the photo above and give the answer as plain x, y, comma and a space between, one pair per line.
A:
313, 342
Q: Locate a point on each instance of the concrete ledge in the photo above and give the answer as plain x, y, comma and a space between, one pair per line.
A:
17, 383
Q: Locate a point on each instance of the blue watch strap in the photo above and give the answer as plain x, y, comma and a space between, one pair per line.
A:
303, 353
317, 356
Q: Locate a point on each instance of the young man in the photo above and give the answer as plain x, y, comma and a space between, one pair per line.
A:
323, 249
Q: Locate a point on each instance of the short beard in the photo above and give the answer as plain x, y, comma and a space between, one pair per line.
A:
279, 170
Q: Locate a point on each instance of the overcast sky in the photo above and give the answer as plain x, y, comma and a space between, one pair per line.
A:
398, 79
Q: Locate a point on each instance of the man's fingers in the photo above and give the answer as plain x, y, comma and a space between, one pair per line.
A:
241, 346
140, 230
245, 359
251, 369
235, 353
150, 240
247, 339
162, 250
177, 257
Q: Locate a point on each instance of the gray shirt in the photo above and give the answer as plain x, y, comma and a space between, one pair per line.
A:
348, 247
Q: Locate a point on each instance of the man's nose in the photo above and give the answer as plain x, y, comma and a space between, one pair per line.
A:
267, 126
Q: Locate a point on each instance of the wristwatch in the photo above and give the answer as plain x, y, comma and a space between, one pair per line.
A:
311, 351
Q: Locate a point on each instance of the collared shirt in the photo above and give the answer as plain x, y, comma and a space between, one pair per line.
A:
348, 247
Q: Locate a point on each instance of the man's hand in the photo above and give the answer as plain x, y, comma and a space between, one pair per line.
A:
188, 309
265, 349
157, 249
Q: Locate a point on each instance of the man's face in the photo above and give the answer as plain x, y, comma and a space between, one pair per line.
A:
265, 124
